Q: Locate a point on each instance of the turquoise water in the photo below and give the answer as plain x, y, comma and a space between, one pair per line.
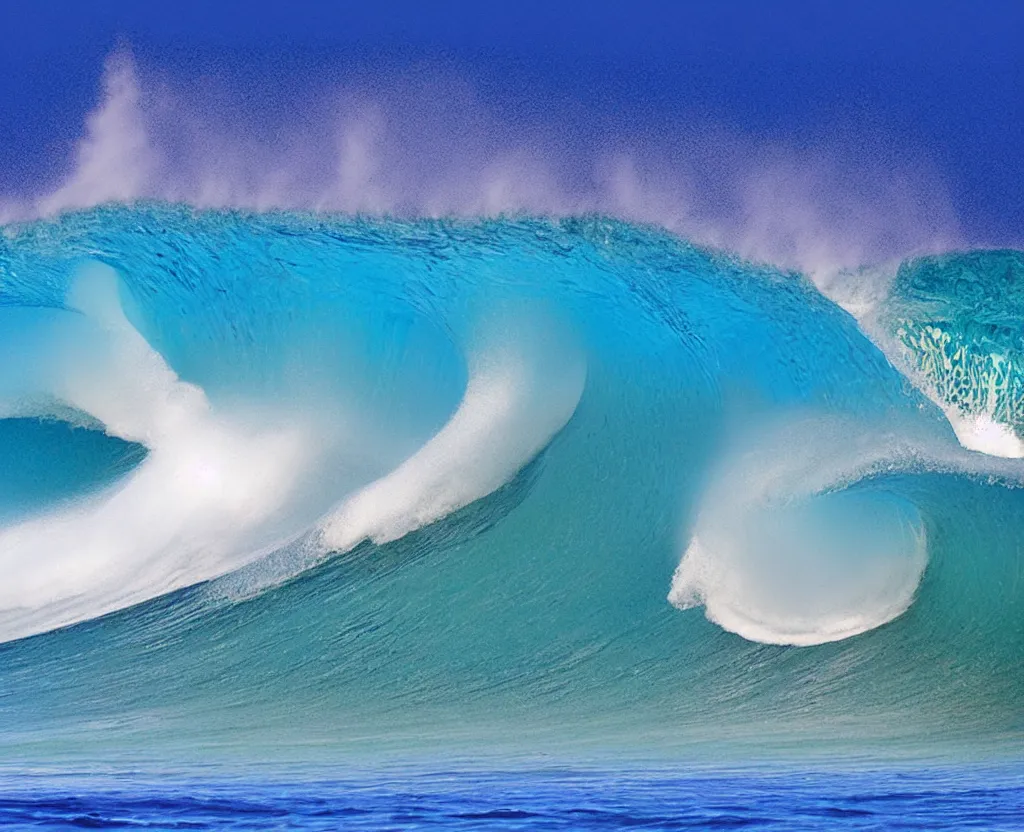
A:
958, 317
283, 487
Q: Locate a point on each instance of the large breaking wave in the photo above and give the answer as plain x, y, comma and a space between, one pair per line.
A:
423, 472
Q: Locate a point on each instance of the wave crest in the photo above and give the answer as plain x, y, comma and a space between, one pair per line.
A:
522, 390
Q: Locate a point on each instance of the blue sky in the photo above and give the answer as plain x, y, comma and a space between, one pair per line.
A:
934, 80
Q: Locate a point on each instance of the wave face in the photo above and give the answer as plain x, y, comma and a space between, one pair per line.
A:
318, 483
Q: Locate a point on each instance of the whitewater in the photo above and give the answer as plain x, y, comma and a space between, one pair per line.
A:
316, 476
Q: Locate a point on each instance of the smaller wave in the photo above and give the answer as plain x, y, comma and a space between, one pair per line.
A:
808, 576
524, 387
799, 541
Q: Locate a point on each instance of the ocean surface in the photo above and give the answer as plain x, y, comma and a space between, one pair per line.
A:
541, 799
297, 511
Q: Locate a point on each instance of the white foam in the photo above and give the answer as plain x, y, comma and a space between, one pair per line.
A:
800, 588
782, 554
210, 496
981, 432
220, 489
521, 392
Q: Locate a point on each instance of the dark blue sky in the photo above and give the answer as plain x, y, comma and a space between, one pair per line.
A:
939, 79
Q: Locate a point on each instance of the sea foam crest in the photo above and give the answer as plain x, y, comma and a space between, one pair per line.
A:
783, 553
524, 385
203, 501
798, 542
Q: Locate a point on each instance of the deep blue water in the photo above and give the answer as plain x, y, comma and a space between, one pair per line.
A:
541, 800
